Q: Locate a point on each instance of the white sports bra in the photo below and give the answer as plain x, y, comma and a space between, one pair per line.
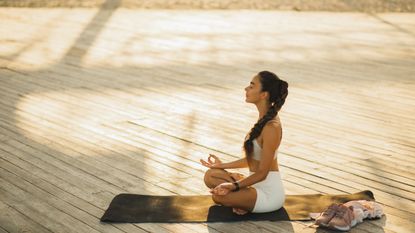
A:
256, 153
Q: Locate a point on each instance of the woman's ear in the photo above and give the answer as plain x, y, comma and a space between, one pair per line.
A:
264, 95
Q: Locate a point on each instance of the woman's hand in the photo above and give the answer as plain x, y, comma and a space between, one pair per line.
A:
223, 189
213, 162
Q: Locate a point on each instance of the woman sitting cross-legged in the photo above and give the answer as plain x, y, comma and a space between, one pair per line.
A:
262, 190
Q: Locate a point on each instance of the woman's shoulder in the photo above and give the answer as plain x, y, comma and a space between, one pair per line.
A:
271, 127
275, 122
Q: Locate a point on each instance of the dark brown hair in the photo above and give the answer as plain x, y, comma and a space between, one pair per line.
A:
278, 91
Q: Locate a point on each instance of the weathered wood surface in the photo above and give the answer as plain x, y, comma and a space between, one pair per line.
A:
95, 102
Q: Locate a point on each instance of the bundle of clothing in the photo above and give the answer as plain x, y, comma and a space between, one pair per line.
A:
343, 217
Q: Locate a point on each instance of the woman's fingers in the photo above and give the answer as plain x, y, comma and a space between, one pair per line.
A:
210, 159
219, 190
223, 191
204, 163
216, 191
216, 159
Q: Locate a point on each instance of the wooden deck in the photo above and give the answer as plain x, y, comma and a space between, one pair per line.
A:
98, 102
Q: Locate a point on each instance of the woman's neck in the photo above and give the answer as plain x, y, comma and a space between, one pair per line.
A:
262, 109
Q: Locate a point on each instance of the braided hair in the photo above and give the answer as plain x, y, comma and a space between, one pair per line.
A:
278, 91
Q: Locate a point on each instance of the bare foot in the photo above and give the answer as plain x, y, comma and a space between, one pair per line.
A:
239, 211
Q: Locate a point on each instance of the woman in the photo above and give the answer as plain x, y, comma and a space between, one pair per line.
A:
262, 190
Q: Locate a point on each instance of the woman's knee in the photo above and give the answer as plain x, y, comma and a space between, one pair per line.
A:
220, 199
210, 177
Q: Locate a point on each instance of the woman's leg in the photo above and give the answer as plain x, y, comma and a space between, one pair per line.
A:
243, 199
214, 177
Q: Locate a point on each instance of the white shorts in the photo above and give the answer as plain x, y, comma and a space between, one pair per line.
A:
270, 193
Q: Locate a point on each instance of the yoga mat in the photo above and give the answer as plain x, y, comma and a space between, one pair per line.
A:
135, 208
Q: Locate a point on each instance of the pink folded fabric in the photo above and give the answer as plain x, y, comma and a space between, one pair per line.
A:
370, 209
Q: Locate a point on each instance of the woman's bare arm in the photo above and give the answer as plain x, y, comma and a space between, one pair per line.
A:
214, 162
240, 163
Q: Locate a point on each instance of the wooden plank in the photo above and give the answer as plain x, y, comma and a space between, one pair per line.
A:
46, 215
71, 195
103, 227
94, 199
54, 199
12, 220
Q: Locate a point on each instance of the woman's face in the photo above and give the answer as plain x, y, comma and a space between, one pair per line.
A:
253, 92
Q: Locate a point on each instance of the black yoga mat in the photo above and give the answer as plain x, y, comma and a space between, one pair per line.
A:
134, 208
